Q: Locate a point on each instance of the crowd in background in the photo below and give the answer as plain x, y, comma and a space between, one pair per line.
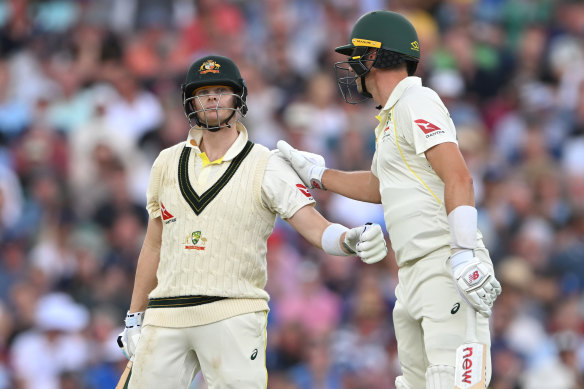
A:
90, 94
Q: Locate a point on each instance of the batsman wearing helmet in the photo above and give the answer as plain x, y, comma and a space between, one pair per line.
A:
420, 177
199, 302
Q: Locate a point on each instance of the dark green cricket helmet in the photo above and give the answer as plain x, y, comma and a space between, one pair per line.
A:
384, 30
393, 39
213, 70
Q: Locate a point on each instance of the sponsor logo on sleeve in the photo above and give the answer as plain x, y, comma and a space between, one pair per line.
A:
304, 190
428, 128
167, 217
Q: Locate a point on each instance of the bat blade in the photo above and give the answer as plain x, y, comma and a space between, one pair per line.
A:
471, 358
470, 366
125, 378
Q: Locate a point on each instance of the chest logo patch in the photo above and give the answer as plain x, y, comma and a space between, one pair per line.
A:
195, 241
167, 217
428, 128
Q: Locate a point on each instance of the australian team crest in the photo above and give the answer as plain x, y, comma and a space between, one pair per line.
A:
195, 241
209, 66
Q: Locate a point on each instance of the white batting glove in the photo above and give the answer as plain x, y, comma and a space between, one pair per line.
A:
475, 281
367, 242
128, 338
309, 167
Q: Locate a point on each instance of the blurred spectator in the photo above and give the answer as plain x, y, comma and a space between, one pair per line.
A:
561, 372
312, 305
54, 346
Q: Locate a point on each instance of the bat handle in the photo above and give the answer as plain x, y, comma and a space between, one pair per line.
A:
471, 324
366, 227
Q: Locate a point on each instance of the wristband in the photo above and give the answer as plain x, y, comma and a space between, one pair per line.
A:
331, 240
463, 227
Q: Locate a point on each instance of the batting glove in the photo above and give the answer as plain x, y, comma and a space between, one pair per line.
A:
309, 167
367, 242
475, 281
128, 338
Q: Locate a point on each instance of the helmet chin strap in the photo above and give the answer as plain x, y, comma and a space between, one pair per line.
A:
364, 90
215, 128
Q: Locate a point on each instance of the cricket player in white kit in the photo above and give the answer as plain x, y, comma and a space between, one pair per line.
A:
199, 302
419, 176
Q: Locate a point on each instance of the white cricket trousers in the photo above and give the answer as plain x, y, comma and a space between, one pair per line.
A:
430, 317
230, 353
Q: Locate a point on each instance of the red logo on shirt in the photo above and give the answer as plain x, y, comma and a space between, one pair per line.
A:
166, 216
303, 189
426, 126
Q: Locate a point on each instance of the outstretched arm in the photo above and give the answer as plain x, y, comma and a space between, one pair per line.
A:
366, 241
361, 185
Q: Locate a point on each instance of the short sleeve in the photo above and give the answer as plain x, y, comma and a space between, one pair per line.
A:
425, 121
374, 164
282, 190
152, 200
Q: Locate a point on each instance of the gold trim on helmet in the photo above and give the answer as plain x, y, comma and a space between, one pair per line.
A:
365, 42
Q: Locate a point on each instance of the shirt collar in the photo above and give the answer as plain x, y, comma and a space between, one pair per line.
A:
196, 134
399, 90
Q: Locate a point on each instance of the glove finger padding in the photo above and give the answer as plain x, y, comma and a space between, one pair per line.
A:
372, 251
373, 255
123, 344
128, 341
477, 303
133, 336
371, 232
309, 167
496, 287
371, 246
285, 148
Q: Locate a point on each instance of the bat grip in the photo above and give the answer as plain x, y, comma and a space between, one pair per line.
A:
366, 227
471, 324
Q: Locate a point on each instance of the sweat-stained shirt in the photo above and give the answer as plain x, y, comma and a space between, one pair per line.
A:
216, 216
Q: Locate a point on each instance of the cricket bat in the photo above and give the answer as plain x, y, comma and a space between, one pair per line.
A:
125, 378
471, 358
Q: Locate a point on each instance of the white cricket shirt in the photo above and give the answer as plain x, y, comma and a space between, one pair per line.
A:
413, 120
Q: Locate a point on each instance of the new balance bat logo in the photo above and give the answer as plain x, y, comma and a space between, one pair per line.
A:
471, 358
